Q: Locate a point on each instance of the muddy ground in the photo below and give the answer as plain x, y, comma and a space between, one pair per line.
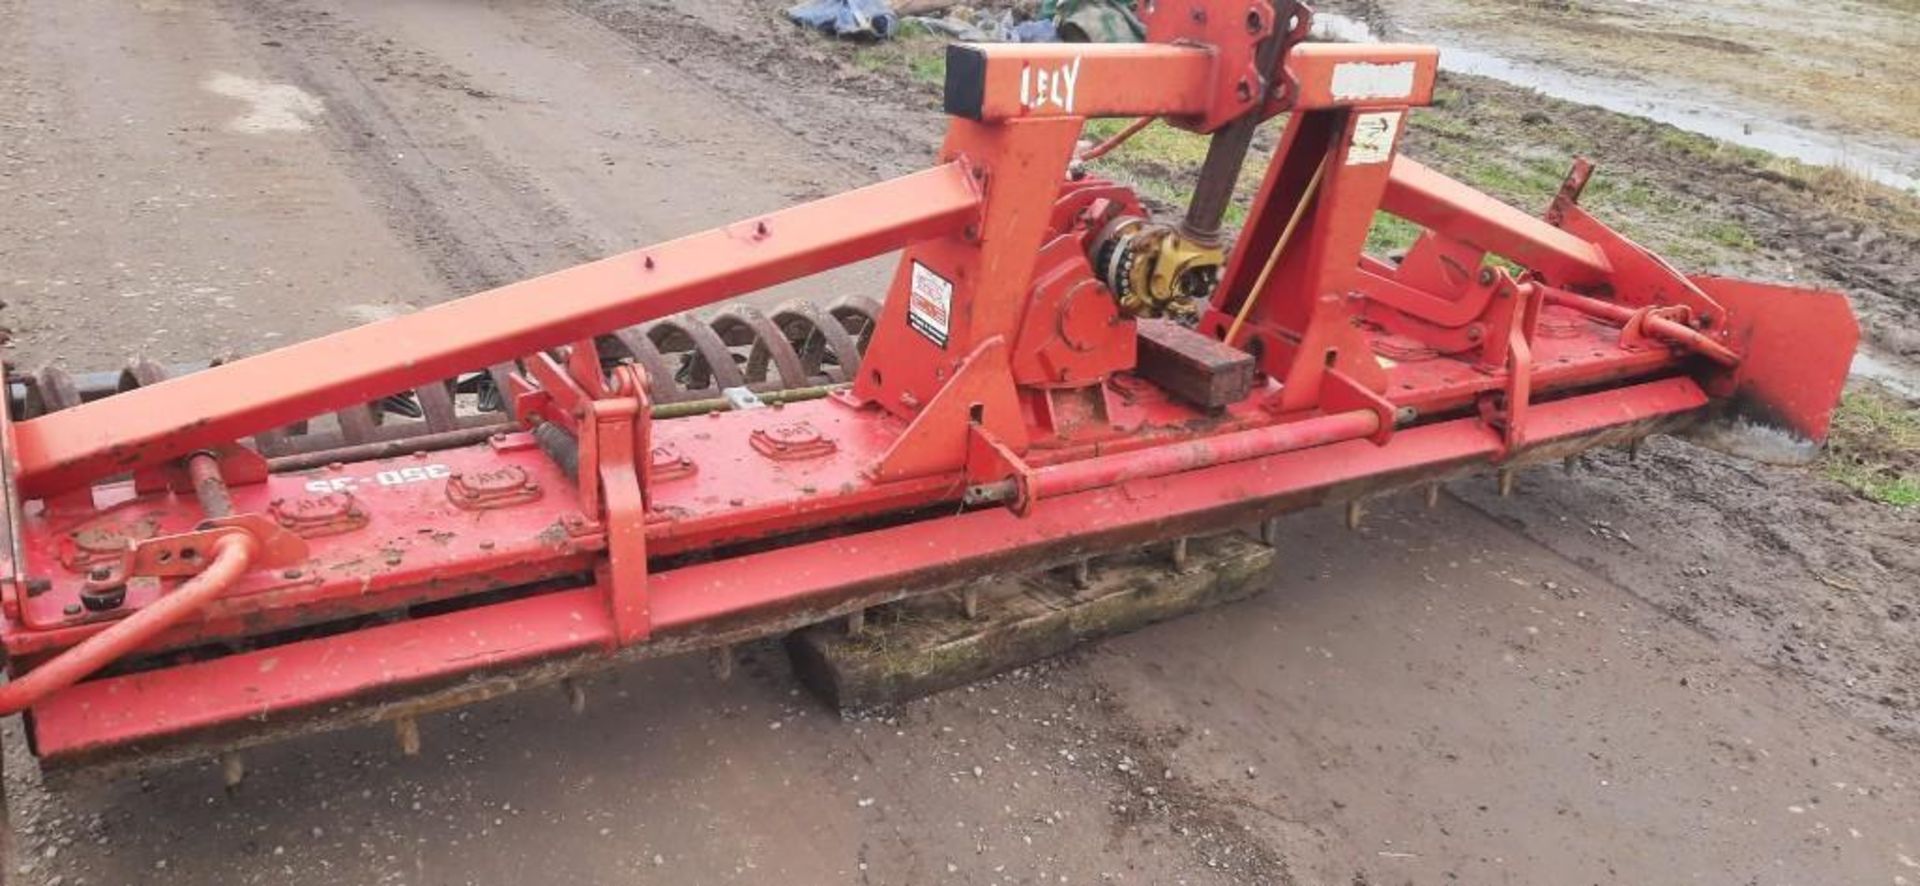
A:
1836, 79
1685, 669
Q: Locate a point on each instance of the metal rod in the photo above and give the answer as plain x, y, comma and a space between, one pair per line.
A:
1619, 315
1119, 138
208, 486
1279, 246
90, 386
691, 408
1173, 458
303, 461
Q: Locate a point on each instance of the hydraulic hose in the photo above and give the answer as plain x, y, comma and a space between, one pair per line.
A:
232, 554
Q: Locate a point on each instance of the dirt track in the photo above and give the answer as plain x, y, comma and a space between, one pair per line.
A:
1692, 670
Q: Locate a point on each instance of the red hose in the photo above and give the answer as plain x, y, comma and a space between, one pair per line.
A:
232, 554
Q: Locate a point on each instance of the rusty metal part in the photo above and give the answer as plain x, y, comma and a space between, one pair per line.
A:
208, 486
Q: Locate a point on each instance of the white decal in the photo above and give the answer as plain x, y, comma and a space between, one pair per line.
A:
397, 477
1373, 136
930, 304
1040, 89
1358, 80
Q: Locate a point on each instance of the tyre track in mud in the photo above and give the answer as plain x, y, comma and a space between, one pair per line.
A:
782, 75
1814, 583
499, 154
470, 214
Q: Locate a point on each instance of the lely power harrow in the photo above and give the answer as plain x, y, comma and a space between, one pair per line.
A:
537, 480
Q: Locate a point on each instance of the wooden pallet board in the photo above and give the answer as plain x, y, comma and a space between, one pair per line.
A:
927, 644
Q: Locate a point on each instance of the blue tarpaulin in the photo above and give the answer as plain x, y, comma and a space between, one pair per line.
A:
872, 19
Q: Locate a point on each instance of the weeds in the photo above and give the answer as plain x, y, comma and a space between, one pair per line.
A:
1874, 448
1161, 162
1390, 235
915, 54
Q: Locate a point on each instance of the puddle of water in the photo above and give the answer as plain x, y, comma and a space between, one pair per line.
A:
1894, 376
273, 107
1887, 166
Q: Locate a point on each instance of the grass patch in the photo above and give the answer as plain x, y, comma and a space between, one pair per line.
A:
1391, 235
914, 54
1474, 141
1836, 189
1874, 448
1158, 143
1161, 163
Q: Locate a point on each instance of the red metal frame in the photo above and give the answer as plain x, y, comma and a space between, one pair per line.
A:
999, 373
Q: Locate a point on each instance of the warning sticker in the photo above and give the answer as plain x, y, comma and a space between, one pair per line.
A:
1373, 137
1367, 80
930, 304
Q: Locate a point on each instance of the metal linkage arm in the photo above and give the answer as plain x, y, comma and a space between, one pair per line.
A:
78, 446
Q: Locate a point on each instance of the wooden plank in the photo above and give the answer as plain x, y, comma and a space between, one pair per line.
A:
1194, 367
928, 644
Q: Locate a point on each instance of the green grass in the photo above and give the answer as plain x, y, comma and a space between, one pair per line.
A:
1158, 143
1874, 448
1519, 152
1161, 161
1390, 234
913, 54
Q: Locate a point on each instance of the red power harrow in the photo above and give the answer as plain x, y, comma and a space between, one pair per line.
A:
376, 524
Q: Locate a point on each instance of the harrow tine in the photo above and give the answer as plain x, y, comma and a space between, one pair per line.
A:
437, 407
1180, 558
722, 661
56, 389
406, 730
857, 315
233, 771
